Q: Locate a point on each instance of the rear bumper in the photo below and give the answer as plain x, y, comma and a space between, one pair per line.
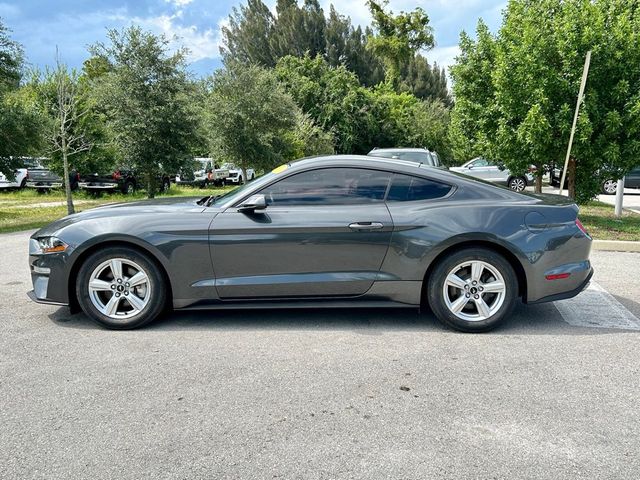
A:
569, 294
44, 184
98, 186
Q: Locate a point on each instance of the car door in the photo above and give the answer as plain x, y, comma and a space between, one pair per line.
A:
480, 169
325, 232
632, 179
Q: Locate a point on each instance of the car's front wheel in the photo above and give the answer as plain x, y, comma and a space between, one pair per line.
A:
472, 290
120, 288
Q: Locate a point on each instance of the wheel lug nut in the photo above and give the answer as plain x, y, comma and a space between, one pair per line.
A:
119, 280
466, 287
474, 282
126, 292
113, 287
476, 297
126, 284
117, 294
467, 295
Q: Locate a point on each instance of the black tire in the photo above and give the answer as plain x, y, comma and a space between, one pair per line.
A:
128, 188
517, 184
240, 180
23, 183
157, 300
436, 285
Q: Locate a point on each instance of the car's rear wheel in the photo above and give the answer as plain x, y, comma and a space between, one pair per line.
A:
610, 187
120, 288
517, 184
129, 188
472, 290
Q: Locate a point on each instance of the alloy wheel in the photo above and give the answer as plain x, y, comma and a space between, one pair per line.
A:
610, 186
119, 288
517, 184
474, 290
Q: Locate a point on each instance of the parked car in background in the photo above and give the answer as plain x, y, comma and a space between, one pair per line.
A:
122, 180
43, 179
631, 180
204, 172
608, 187
493, 172
21, 174
235, 174
420, 155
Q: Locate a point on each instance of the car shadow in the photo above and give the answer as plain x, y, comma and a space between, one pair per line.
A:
541, 319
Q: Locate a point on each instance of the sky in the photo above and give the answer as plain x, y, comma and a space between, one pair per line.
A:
72, 25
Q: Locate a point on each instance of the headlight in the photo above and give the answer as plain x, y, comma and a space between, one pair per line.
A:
51, 245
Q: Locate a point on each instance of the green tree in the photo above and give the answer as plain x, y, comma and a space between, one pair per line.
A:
397, 38
247, 36
425, 81
474, 116
249, 117
523, 109
332, 96
20, 120
146, 96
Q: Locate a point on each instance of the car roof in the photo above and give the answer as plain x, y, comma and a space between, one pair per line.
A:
399, 149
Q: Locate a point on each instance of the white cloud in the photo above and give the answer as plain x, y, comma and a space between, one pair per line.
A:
202, 44
179, 3
443, 56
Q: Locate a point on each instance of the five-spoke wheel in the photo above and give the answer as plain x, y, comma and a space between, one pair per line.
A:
121, 288
472, 289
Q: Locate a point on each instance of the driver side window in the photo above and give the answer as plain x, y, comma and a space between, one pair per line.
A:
329, 186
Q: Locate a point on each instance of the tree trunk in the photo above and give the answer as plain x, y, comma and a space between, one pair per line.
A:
243, 168
151, 185
67, 181
538, 180
571, 178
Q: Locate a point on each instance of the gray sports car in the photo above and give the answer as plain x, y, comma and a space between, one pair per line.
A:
336, 231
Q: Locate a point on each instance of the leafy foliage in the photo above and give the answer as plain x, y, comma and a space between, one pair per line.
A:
20, 122
398, 37
145, 93
520, 88
252, 121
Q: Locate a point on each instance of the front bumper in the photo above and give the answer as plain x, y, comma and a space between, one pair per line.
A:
49, 276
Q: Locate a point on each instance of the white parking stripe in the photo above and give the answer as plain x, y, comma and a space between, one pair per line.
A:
597, 308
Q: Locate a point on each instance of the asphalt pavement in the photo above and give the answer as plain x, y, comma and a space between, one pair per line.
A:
332, 394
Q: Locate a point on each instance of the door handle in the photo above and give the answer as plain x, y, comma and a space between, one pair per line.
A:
366, 226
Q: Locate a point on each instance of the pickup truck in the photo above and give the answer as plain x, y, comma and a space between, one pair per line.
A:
121, 180
203, 173
43, 179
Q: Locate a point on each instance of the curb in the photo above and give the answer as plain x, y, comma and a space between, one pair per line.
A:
616, 246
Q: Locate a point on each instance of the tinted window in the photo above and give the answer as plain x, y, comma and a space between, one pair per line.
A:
405, 188
329, 186
423, 157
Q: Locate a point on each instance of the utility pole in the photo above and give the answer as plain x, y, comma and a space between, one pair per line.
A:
585, 72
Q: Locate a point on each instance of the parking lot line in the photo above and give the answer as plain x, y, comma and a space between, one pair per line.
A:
597, 308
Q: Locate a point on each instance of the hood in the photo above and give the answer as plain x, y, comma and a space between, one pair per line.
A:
174, 205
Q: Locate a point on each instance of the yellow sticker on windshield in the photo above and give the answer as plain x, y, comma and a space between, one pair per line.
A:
280, 169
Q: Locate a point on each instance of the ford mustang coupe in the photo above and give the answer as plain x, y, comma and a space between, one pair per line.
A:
335, 231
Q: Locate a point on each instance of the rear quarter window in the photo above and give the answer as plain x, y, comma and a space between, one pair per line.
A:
407, 188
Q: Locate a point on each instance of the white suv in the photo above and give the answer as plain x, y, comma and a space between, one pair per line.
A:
493, 172
21, 174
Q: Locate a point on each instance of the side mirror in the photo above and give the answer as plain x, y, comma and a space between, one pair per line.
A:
253, 203
501, 167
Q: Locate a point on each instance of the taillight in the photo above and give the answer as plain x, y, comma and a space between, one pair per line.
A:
117, 175
581, 228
